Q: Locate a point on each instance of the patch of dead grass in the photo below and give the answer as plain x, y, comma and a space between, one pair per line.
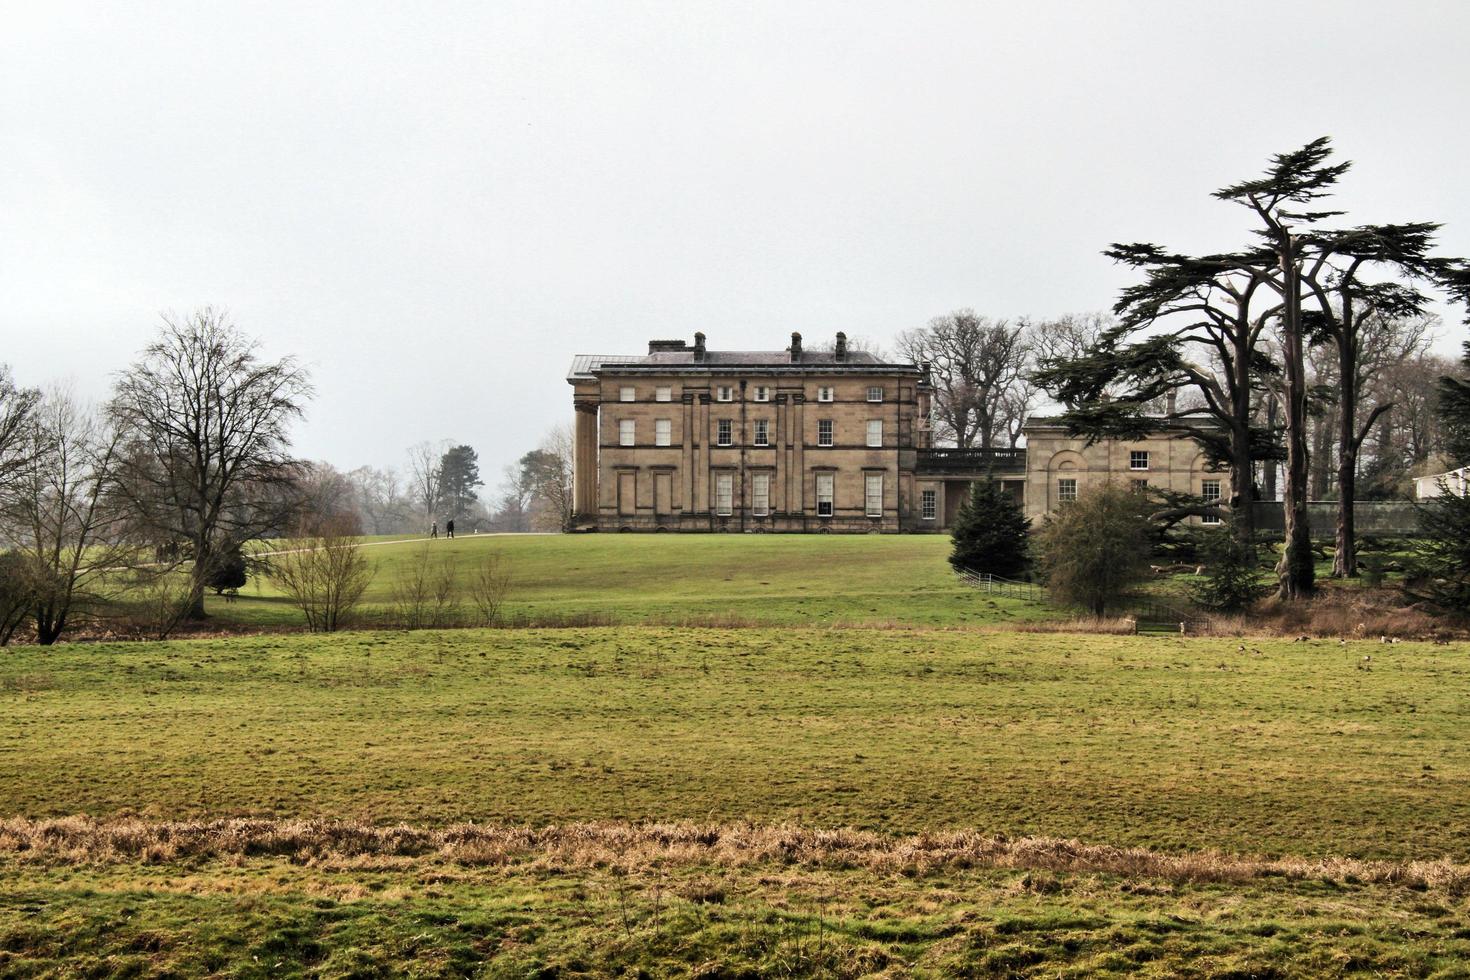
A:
642, 846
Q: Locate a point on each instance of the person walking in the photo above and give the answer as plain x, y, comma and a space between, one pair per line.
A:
434, 530
449, 529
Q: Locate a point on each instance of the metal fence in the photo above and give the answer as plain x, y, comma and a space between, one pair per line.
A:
1149, 614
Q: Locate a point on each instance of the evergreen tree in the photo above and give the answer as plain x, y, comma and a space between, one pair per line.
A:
1232, 578
1454, 412
229, 573
459, 475
1441, 567
990, 532
1442, 556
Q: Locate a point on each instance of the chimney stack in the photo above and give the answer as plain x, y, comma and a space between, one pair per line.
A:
795, 347
698, 346
1171, 402
840, 351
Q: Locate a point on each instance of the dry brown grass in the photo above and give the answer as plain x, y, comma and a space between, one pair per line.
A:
1115, 626
632, 847
1348, 612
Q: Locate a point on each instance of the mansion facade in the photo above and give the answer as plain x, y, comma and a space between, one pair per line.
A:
690, 439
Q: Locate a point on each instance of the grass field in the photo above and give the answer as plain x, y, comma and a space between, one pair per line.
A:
791, 798
1306, 752
433, 916
1158, 742
674, 579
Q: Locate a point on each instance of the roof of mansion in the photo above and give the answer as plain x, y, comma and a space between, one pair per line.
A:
675, 356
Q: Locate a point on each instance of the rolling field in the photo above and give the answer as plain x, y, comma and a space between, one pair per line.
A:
1298, 809
679, 579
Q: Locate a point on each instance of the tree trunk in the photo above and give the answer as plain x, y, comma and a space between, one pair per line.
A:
1295, 573
1345, 561
198, 576
1242, 467
1268, 475
1320, 459
1242, 488
50, 624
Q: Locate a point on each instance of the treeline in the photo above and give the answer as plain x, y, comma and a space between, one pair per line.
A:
439, 482
122, 516
1301, 361
127, 512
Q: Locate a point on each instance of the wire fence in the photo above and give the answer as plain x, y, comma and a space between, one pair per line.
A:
1148, 613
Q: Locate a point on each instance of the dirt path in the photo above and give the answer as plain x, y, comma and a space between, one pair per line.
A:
375, 544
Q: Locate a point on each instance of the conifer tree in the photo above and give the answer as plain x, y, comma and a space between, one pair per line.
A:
990, 532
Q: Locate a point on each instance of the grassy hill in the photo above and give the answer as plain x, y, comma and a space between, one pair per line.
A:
674, 579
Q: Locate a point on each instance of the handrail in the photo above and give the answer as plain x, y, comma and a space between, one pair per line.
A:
950, 459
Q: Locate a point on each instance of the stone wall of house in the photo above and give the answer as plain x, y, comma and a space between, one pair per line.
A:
648, 485
1059, 466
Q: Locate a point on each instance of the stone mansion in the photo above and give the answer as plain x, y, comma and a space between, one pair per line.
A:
684, 438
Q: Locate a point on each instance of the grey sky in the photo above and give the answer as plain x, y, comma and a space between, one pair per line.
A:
436, 205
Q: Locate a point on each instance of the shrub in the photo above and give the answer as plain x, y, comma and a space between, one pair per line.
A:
424, 594
1232, 577
17, 594
228, 573
489, 585
159, 601
990, 532
1093, 550
325, 576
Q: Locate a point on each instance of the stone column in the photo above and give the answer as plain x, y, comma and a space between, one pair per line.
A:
584, 461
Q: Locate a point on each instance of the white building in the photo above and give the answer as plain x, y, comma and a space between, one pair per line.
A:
1456, 481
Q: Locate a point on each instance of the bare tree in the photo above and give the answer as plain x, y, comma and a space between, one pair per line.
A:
62, 525
553, 486
157, 601
423, 475
977, 366
1409, 383
16, 594
326, 574
513, 501
205, 421
380, 499
16, 407
326, 498
1067, 337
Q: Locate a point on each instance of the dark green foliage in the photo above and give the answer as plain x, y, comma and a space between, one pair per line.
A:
990, 532
1454, 412
459, 475
228, 573
1441, 563
1093, 551
1232, 576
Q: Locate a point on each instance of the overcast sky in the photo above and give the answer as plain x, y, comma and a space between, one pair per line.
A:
435, 205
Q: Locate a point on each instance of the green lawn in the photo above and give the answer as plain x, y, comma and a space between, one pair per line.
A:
675, 579
1182, 746
1160, 742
